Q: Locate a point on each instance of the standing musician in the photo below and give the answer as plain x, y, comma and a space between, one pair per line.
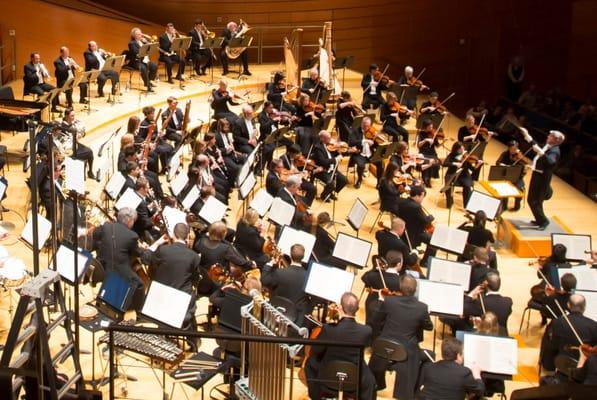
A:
459, 163
294, 161
174, 264
306, 113
64, 69
221, 97
277, 92
289, 282
76, 130
117, 245
409, 79
331, 176
392, 240
362, 142
433, 106
228, 32
543, 165
173, 131
372, 88
248, 239
448, 378
427, 141
146, 210
346, 110
147, 68
34, 79
513, 156
403, 319
392, 114
163, 149
346, 330
95, 59
202, 58
314, 86
224, 138
170, 57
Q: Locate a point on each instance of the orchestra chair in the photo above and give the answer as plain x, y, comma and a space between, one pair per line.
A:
531, 305
339, 378
379, 216
390, 350
130, 70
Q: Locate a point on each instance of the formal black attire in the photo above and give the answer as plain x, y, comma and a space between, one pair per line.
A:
273, 184
347, 330
232, 160
325, 159
244, 56
344, 120
242, 134
174, 128
540, 186
388, 240
249, 243
359, 158
95, 61
464, 179
143, 224
500, 305
388, 196
416, 221
163, 149
428, 152
410, 101
506, 159
289, 283
372, 280
168, 60
479, 273
34, 82
371, 95
391, 126
219, 104
324, 248
403, 319
305, 130
148, 70
308, 188
275, 95
62, 74
448, 380
202, 57
318, 89
299, 216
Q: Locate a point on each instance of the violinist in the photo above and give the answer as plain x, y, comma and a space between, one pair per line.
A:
427, 141
459, 164
170, 57
293, 160
248, 239
513, 156
391, 239
324, 243
277, 90
547, 300
147, 208
479, 267
346, 110
479, 235
333, 179
392, 115
486, 298
273, 180
289, 194
549, 267
405, 161
408, 78
433, 106
389, 191
271, 119
306, 113
220, 98
416, 219
403, 319
314, 86
162, 148
470, 133
362, 145
372, 88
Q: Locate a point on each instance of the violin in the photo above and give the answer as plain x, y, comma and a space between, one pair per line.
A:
519, 157
377, 137
467, 157
399, 108
481, 131
314, 107
414, 81
217, 273
439, 107
381, 78
300, 161
338, 146
407, 158
436, 133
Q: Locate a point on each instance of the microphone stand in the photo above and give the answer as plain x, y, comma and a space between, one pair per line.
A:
334, 196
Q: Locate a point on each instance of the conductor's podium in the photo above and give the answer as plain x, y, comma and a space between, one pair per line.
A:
526, 240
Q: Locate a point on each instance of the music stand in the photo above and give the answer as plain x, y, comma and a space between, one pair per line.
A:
147, 50
178, 45
88, 77
211, 44
449, 186
240, 43
357, 215
511, 173
410, 93
343, 63
115, 64
48, 97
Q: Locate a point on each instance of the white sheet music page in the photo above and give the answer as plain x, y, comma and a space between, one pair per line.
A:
65, 262
481, 202
440, 297
291, 236
351, 249
213, 210
128, 199
166, 304
261, 202
450, 272
329, 283
75, 175
175, 163
498, 355
43, 231
2, 189
191, 197
115, 184
577, 246
448, 238
178, 183
357, 214
173, 216
505, 189
247, 185
591, 300
586, 277
281, 212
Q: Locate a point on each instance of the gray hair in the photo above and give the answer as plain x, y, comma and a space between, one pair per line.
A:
126, 214
134, 32
558, 135
408, 69
293, 180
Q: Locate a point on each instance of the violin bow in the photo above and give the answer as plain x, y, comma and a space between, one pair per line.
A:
441, 103
382, 74
569, 323
420, 74
479, 127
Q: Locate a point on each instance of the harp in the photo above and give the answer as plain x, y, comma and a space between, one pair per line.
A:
326, 60
292, 59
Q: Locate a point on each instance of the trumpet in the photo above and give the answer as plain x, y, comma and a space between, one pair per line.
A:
74, 64
148, 38
105, 53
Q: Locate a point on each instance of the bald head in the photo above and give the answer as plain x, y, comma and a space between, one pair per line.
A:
350, 304
577, 303
324, 136
398, 225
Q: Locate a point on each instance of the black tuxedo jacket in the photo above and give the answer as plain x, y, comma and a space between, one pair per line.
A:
540, 181
347, 330
30, 78
174, 265
240, 132
403, 319
448, 380
496, 303
143, 222
249, 242
172, 125
61, 71
288, 282
220, 103
416, 220
132, 56
91, 61
273, 184
195, 41
165, 44
321, 158
387, 241
116, 245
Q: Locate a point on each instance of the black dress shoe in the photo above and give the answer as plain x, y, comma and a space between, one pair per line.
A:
533, 222
542, 227
55, 110
225, 73
90, 175
246, 72
170, 80
150, 89
100, 95
84, 101
179, 78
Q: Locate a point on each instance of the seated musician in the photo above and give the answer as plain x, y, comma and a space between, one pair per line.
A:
559, 337
392, 115
314, 86
248, 239
116, 245
162, 148
408, 163
362, 144
233, 159
479, 267
64, 69
448, 378
391, 239
247, 136
306, 114
324, 243
513, 156
403, 319
409, 79
273, 180
411, 211
549, 308
228, 33
458, 171
271, 119
220, 98
95, 59
389, 191
75, 128
170, 57
374, 283
144, 224
331, 176
45, 187
372, 89
174, 264
468, 134
209, 174
346, 330
146, 67
289, 194
277, 92
549, 266
131, 173
35, 76
219, 165
293, 161
346, 110
289, 282
433, 105
173, 131
427, 141
128, 153
202, 57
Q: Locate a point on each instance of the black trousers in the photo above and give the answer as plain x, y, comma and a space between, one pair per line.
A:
367, 390
201, 60
244, 57
371, 101
331, 185
305, 137
361, 162
103, 77
169, 61
148, 72
85, 154
467, 187
43, 88
309, 190
539, 191
397, 132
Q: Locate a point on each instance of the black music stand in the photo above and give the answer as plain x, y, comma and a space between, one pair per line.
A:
115, 64
212, 44
87, 77
343, 63
449, 186
240, 43
179, 45
406, 93
147, 50
48, 97
511, 173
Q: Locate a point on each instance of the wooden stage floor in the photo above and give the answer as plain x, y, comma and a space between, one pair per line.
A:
578, 212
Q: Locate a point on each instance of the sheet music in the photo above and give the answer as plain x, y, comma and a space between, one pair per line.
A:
481, 202
104, 166
586, 277
128, 199
281, 212
191, 197
65, 263
505, 189
115, 184
43, 231
291, 236
173, 216
498, 355
2, 189
175, 163
328, 283
75, 175
261, 202
576, 245
440, 297
178, 183
247, 186
447, 271
357, 214
166, 304
591, 300
213, 210
351, 249
448, 238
